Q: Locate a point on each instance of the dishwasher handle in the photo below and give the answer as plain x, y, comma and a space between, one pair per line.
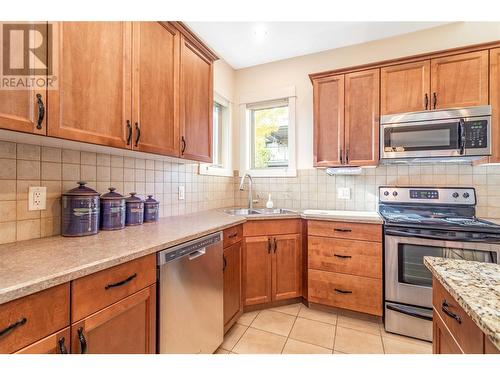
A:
197, 254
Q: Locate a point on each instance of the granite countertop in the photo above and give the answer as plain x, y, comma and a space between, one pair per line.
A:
29, 266
476, 287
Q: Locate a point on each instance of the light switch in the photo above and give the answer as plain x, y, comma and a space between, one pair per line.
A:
182, 192
343, 193
37, 198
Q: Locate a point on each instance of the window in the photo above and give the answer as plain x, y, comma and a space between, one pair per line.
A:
221, 140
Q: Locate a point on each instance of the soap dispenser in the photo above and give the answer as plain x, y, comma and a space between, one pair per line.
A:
269, 203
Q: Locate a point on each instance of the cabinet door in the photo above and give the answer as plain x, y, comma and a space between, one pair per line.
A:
58, 343
287, 266
20, 109
93, 101
328, 121
257, 270
495, 104
362, 118
232, 284
460, 80
155, 88
405, 88
196, 102
126, 327
442, 340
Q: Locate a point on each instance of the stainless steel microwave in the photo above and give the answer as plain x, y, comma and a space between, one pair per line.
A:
459, 132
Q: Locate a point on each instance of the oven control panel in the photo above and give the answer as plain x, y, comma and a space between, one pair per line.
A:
457, 196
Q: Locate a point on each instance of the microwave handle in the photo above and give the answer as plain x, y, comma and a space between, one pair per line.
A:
461, 136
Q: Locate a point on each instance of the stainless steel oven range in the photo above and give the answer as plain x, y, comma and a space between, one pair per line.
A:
420, 222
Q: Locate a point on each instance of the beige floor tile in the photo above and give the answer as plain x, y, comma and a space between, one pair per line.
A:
247, 318
222, 351
298, 347
289, 309
359, 322
232, 336
255, 341
320, 316
405, 345
274, 322
357, 342
313, 332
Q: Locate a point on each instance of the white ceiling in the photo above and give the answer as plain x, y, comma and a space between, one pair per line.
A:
244, 44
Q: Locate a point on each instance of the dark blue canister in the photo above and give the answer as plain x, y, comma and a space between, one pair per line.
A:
134, 208
80, 211
151, 209
112, 210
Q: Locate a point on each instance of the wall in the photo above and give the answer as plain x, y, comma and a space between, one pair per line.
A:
295, 71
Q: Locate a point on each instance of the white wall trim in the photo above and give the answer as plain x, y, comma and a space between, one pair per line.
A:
271, 94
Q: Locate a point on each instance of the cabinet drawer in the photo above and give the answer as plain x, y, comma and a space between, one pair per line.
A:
350, 292
269, 227
33, 317
464, 330
340, 229
94, 292
57, 343
232, 235
345, 256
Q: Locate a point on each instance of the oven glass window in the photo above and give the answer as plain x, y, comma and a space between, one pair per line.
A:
422, 137
411, 268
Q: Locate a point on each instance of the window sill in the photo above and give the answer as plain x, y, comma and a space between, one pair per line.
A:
270, 172
207, 169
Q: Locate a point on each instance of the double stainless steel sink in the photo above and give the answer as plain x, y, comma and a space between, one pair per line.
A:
258, 211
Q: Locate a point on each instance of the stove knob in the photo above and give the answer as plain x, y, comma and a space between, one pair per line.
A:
386, 193
466, 195
395, 193
455, 195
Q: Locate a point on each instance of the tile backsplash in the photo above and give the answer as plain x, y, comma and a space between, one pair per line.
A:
24, 165
314, 189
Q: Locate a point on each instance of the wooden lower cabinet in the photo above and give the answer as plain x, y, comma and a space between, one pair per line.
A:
442, 340
257, 270
286, 267
58, 343
126, 327
233, 306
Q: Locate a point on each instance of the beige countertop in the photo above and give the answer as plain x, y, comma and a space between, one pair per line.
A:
476, 287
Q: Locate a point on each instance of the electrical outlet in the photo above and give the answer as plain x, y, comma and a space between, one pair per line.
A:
182, 192
343, 193
37, 198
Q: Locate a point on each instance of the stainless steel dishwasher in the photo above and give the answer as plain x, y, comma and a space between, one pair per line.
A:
190, 306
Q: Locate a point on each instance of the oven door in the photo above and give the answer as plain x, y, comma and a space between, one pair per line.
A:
421, 139
407, 279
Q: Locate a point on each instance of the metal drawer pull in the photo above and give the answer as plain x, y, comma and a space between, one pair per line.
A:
434, 99
82, 340
269, 245
426, 101
343, 291
342, 256
41, 111
232, 235
120, 283
13, 326
62, 347
445, 309
342, 230
275, 245
129, 132
196, 254
138, 137
224, 260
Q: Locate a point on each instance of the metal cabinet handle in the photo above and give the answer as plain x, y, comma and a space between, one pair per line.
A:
82, 340
275, 245
426, 100
41, 111
62, 347
13, 326
120, 283
232, 235
197, 254
138, 130
461, 136
343, 291
269, 245
347, 156
342, 256
129, 132
445, 309
183, 148
341, 156
434, 100
342, 230
224, 262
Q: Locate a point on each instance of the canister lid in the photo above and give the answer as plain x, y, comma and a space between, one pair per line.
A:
82, 190
112, 194
133, 198
151, 200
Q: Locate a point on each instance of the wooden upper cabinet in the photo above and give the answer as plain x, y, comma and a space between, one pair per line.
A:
459, 80
495, 104
93, 101
232, 284
328, 121
257, 270
155, 88
20, 109
405, 88
196, 102
287, 266
362, 117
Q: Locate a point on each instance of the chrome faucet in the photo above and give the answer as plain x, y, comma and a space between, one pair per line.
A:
250, 194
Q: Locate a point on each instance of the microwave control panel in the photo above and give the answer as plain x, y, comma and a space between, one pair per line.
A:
476, 134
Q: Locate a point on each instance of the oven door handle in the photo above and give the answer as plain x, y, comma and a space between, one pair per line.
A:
461, 136
403, 233
402, 310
